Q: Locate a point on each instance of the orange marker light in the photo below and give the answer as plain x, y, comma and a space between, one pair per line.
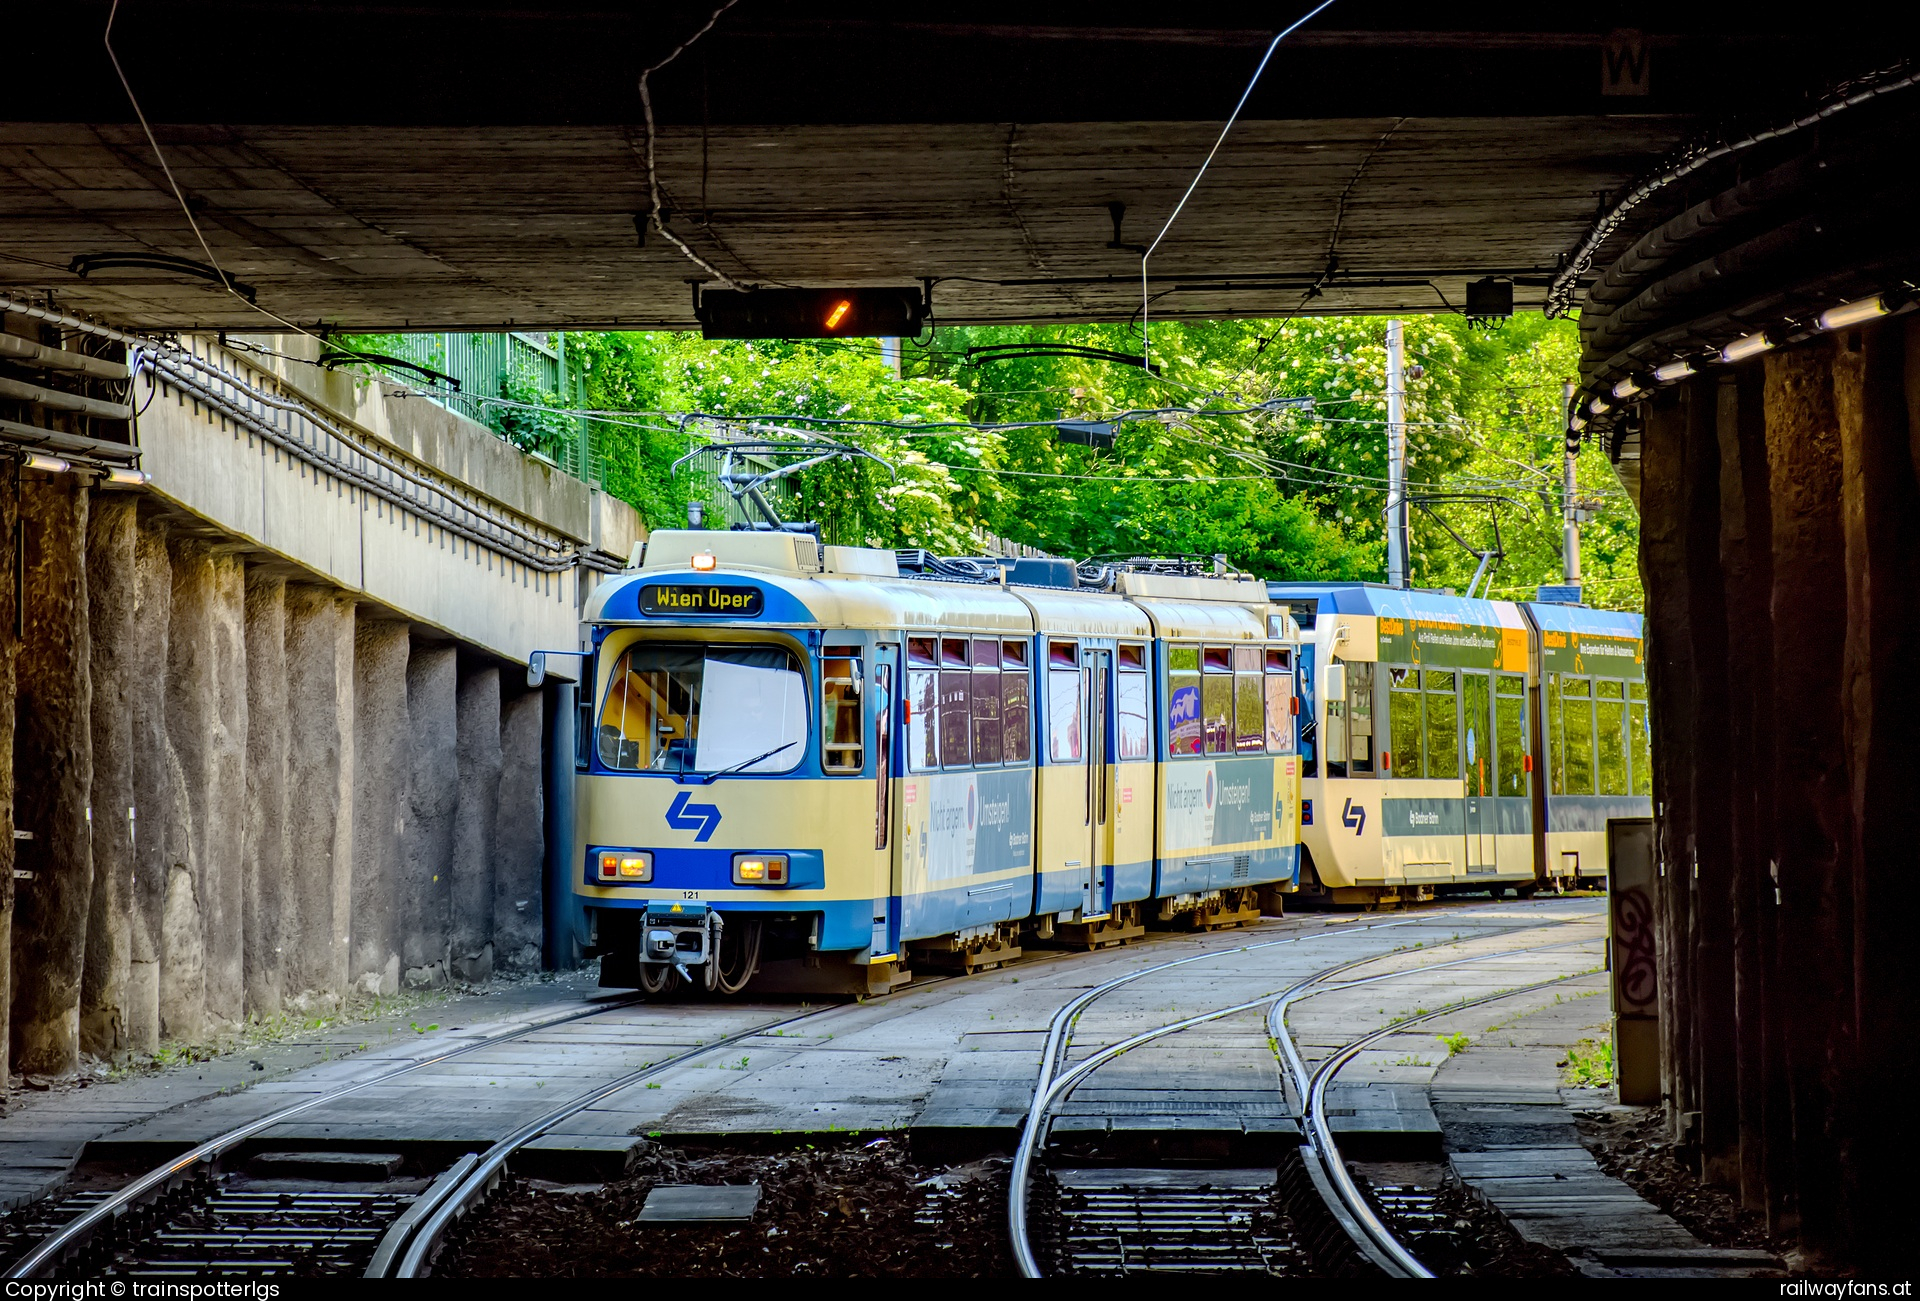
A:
704, 561
839, 313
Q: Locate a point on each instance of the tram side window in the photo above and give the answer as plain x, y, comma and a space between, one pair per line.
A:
651, 716
986, 700
1216, 698
923, 705
1309, 733
1133, 737
1063, 702
840, 722
1641, 741
1183, 700
1510, 733
956, 703
1556, 737
1334, 733
1249, 701
1577, 704
1443, 724
1359, 718
1406, 732
1016, 703
1610, 735
1279, 701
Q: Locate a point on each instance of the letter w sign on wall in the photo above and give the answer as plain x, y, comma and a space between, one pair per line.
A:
1624, 60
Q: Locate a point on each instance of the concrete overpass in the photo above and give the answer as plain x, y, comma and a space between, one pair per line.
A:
432, 165
1728, 205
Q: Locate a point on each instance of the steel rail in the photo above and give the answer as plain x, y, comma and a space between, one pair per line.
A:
63, 1241
1049, 1089
428, 1237
431, 1233
61, 1244
1373, 1235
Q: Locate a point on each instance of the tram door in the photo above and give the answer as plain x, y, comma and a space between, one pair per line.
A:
1096, 693
1478, 749
886, 793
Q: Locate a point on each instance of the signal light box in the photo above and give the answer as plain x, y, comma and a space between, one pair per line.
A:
811, 313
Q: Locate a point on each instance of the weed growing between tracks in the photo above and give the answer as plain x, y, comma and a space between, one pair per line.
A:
835, 1213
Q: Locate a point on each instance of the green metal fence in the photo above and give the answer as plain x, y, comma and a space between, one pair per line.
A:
495, 371
516, 383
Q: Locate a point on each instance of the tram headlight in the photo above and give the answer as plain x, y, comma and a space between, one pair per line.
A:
626, 866
759, 869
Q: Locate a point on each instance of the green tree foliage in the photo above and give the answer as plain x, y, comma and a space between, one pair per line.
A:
1261, 440
688, 386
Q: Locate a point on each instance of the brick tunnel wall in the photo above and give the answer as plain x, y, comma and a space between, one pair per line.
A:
246, 794
1780, 502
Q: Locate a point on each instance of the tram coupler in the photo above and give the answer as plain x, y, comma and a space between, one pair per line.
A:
681, 934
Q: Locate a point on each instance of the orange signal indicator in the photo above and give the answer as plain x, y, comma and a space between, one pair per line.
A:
839, 313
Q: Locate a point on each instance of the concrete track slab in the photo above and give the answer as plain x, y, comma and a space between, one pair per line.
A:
1512, 1141
956, 1057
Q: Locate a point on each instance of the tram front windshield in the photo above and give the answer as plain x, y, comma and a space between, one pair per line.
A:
704, 709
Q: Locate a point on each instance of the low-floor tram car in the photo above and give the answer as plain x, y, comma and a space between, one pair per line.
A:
808, 766
1451, 744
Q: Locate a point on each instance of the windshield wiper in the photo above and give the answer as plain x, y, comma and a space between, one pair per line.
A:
712, 777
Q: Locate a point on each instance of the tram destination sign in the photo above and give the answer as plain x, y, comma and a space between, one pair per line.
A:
702, 600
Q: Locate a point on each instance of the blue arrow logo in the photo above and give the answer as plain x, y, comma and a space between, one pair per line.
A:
1353, 815
682, 816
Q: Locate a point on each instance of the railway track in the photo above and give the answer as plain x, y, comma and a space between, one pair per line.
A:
1225, 1221
104, 1228
189, 1216
181, 1218
184, 1217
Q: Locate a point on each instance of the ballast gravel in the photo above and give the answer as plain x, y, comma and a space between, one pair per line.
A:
843, 1212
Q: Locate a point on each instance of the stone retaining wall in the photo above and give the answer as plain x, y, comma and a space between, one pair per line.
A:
247, 793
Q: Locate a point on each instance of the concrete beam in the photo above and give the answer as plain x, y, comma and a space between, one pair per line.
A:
431, 744
317, 905
266, 883
1876, 382
9, 653
117, 658
190, 677
474, 861
380, 801
1745, 515
154, 792
1811, 834
519, 837
202, 984
53, 742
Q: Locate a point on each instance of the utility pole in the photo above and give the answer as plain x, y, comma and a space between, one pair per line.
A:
1397, 549
1570, 553
890, 355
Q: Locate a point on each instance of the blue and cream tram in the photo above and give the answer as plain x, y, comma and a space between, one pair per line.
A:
1593, 741
1426, 741
806, 765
